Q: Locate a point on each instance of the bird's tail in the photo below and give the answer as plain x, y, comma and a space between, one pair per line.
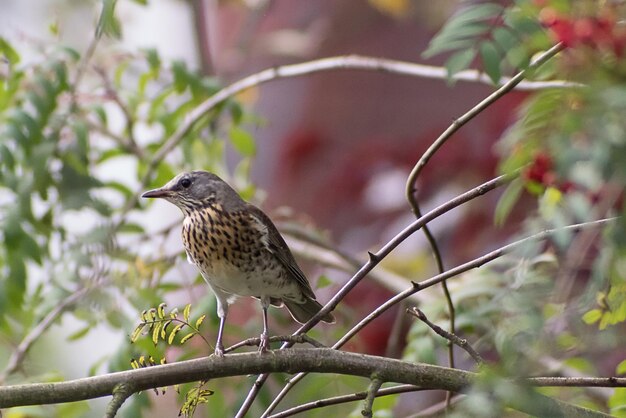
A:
302, 312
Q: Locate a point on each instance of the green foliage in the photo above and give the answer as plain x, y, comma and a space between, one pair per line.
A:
166, 326
194, 397
66, 207
491, 33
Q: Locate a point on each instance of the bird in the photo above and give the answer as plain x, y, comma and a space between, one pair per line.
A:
238, 250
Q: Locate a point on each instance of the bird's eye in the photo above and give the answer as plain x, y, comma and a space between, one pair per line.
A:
185, 183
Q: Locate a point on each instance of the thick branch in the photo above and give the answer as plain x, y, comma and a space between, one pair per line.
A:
317, 360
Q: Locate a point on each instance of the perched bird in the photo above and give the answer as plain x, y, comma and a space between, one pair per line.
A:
238, 250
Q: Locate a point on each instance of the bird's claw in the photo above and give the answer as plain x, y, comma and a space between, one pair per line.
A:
264, 343
219, 351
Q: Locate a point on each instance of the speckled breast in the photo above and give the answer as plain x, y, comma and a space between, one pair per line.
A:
230, 252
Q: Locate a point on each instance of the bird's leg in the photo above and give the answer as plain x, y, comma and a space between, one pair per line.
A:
222, 310
219, 346
265, 339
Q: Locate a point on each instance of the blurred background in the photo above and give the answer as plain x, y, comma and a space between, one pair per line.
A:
334, 149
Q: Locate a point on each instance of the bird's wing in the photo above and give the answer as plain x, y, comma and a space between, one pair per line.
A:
275, 244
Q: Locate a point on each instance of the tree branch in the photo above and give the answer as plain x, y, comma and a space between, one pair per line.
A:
318, 360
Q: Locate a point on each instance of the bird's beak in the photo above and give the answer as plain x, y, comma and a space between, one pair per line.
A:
156, 193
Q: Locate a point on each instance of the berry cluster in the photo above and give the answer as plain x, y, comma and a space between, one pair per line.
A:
541, 171
602, 32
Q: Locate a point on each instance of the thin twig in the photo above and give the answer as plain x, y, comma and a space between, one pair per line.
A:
452, 338
344, 399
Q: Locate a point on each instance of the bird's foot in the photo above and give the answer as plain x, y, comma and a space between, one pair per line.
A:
219, 350
264, 343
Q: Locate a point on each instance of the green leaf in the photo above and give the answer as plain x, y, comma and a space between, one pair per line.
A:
491, 58
6, 157
323, 281
621, 368
161, 310
9, 53
30, 248
242, 141
463, 29
154, 61
592, 316
504, 38
508, 200
108, 23
79, 334
459, 61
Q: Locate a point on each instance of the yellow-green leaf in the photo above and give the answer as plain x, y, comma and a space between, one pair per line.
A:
137, 332
173, 333
155, 332
187, 337
199, 321
161, 310
186, 312
592, 316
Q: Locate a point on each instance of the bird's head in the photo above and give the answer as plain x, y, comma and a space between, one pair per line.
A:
193, 190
